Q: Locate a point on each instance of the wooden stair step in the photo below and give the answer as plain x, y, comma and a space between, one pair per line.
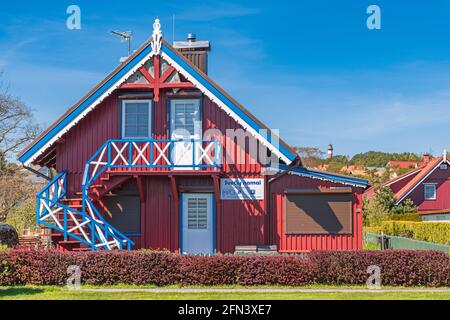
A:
71, 199
98, 186
51, 235
69, 242
81, 249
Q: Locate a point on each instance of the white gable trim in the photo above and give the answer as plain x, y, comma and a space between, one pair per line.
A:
224, 107
89, 109
271, 146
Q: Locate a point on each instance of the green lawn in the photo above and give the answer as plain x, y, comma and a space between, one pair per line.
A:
59, 293
371, 246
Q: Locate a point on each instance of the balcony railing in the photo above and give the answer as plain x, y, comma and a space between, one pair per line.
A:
151, 155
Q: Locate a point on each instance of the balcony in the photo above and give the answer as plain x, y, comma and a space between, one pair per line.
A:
150, 156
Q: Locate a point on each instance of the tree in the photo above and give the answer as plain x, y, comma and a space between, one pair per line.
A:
377, 209
380, 159
311, 156
23, 217
14, 190
17, 125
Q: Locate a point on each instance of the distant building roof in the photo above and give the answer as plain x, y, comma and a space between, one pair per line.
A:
397, 165
371, 192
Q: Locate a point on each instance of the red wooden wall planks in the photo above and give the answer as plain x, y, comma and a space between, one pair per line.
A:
237, 222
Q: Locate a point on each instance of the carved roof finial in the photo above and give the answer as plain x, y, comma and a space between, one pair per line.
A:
156, 37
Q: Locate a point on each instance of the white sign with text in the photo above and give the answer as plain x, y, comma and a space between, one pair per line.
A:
242, 189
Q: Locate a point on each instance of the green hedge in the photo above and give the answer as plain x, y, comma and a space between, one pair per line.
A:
404, 217
436, 232
373, 229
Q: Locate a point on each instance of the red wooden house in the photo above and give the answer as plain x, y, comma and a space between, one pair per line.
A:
428, 185
159, 156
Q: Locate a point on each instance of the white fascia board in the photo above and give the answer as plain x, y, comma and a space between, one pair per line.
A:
89, 109
225, 108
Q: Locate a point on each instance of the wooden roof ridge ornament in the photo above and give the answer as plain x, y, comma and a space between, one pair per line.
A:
156, 37
159, 80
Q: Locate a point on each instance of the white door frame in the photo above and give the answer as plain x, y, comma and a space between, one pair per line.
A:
210, 230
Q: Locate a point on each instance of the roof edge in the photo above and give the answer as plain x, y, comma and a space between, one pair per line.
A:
404, 194
45, 138
329, 176
21, 155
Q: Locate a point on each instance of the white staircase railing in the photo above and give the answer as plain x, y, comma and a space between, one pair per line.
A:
88, 226
92, 232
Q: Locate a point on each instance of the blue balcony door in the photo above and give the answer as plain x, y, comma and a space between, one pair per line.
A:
197, 223
185, 124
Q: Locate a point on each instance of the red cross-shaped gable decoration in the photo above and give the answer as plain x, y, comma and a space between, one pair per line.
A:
159, 81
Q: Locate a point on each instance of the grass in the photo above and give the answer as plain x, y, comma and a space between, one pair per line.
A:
61, 293
371, 246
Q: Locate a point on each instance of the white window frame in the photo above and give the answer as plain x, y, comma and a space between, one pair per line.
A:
198, 105
425, 185
150, 115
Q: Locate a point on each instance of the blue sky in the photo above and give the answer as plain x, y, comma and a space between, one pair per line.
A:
309, 68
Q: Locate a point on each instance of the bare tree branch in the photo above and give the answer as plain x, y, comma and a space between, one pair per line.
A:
17, 125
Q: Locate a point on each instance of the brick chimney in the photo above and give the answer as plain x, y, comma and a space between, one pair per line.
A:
426, 157
330, 151
195, 51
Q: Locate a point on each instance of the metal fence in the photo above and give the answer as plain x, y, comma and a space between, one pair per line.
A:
397, 243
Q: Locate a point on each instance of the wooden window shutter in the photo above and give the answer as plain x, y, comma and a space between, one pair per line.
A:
319, 211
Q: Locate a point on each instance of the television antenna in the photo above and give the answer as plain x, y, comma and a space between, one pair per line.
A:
125, 36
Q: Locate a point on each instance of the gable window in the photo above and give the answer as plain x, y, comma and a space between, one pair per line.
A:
136, 119
186, 118
429, 190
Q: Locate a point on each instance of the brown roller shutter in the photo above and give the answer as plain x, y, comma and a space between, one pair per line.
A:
318, 211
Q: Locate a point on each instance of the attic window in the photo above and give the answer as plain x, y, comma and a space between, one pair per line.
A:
136, 119
429, 191
443, 166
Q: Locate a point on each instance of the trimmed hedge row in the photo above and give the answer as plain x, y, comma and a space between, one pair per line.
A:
48, 267
436, 232
404, 217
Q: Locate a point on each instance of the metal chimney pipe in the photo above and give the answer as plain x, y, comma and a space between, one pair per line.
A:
191, 37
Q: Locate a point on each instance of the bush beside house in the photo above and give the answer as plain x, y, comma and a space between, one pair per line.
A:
435, 232
48, 267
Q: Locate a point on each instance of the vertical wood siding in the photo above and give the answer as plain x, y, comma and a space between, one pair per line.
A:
85, 138
237, 222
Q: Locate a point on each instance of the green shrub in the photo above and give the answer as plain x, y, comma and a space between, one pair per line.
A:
373, 229
436, 232
24, 217
404, 217
382, 207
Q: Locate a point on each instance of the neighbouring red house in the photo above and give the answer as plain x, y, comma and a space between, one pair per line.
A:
159, 156
428, 185
397, 165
